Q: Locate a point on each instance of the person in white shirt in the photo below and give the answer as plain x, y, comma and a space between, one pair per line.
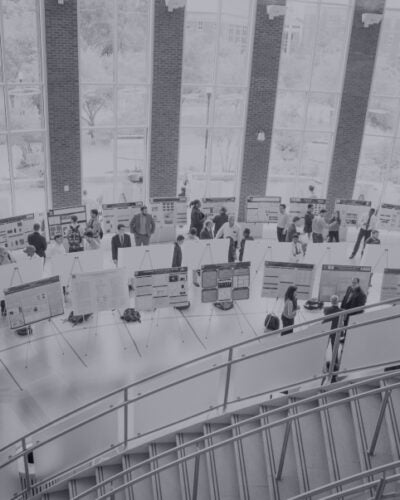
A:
283, 223
57, 248
319, 225
30, 252
230, 230
296, 249
368, 223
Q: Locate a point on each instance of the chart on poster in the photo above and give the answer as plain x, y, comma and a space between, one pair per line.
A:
119, 213
298, 206
263, 209
14, 231
335, 279
159, 288
225, 282
35, 301
59, 219
278, 276
168, 214
211, 206
351, 211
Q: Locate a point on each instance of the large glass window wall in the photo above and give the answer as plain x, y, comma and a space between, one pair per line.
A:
216, 63
311, 72
23, 172
115, 92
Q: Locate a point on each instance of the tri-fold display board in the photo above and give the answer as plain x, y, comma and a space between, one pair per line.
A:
34, 301
14, 231
225, 282
351, 211
335, 279
159, 288
262, 209
298, 206
59, 219
119, 213
278, 276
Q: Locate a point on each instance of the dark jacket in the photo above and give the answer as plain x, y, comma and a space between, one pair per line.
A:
177, 256
332, 310
135, 224
291, 231
308, 218
116, 243
242, 244
196, 219
205, 234
39, 242
353, 298
219, 220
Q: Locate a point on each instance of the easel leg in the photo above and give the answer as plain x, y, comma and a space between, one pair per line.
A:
177, 317
237, 315
28, 347
150, 329
56, 336
130, 336
209, 321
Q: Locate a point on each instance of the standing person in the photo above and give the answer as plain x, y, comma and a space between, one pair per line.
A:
289, 309
192, 234
38, 241
283, 222
75, 236
219, 220
335, 323
57, 248
177, 255
374, 238
296, 250
119, 240
319, 225
207, 232
92, 243
368, 223
354, 297
333, 227
196, 217
230, 230
292, 229
94, 225
142, 226
246, 237
308, 218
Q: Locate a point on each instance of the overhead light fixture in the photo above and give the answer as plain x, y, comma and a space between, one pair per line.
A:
261, 136
175, 4
369, 19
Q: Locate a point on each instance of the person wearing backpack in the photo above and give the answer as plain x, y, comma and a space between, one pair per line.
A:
94, 225
75, 236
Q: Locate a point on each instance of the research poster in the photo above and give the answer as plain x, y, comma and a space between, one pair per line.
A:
159, 288
59, 219
99, 291
168, 214
390, 284
34, 301
15, 274
389, 217
278, 276
225, 282
119, 213
335, 279
211, 206
351, 211
14, 231
263, 209
298, 206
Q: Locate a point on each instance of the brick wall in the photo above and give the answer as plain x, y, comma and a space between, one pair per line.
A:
63, 101
261, 103
357, 83
166, 99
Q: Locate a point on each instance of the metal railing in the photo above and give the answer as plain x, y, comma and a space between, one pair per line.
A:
21, 444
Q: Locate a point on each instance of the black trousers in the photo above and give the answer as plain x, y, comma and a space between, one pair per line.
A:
333, 236
279, 234
363, 234
287, 322
317, 238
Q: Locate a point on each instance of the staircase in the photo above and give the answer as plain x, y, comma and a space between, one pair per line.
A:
284, 448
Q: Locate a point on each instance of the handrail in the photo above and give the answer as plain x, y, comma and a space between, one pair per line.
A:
230, 440
259, 416
218, 367
392, 301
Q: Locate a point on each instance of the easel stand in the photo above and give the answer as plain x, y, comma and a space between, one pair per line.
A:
385, 255
125, 326
268, 255
154, 315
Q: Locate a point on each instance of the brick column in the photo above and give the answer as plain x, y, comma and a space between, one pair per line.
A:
261, 103
353, 109
166, 99
63, 101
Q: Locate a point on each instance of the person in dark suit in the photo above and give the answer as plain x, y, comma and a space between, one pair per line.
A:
38, 241
177, 255
120, 240
335, 323
207, 233
354, 297
142, 226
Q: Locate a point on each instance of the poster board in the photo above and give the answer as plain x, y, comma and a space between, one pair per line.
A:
335, 279
263, 209
24, 271
381, 256
158, 288
389, 217
225, 282
201, 252
258, 251
34, 301
154, 256
119, 213
78, 262
59, 219
298, 206
328, 253
390, 284
279, 275
14, 231
211, 206
168, 214
99, 291
351, 211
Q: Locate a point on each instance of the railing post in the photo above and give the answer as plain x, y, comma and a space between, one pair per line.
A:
279, 470
26, 467
380, 489
196, 477
378, 426
126, 417
228, 377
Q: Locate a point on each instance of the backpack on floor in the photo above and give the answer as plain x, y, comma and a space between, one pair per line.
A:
224, 306
78, 318
131, 315
313, 304
271, 322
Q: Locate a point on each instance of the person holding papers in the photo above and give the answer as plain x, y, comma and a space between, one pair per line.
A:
119, 240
